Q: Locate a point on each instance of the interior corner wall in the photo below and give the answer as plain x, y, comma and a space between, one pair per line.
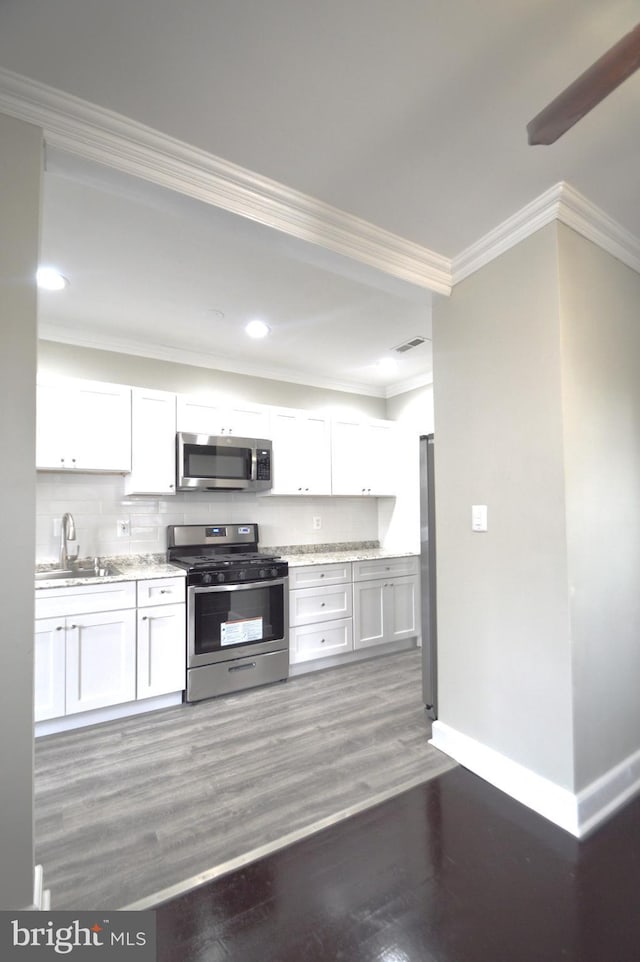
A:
20, 178
504, 658
600, 310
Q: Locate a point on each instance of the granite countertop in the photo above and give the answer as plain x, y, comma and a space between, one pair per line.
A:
298, 555
123, 568
140, 567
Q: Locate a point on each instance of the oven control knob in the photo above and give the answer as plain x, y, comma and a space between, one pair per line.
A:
274, 572
220, 576
206, 579
263, 573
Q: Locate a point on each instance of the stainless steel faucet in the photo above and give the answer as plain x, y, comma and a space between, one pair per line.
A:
67, 534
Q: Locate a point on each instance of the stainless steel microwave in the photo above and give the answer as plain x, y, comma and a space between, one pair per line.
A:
223, 463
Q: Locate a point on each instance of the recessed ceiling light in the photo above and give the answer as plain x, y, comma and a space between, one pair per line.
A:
257, 329
387, 365
50, 279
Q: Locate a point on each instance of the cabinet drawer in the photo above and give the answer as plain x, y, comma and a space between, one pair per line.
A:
160, 591
320, 641
307, 605
315, 576
83, 599
385, 568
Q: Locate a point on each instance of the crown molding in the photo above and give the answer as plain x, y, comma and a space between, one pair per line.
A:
410, 384
560, 203
94, 133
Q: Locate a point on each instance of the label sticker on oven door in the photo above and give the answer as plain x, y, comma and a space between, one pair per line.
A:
235, 632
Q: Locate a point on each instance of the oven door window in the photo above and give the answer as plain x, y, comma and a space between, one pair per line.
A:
232, 619
214, 461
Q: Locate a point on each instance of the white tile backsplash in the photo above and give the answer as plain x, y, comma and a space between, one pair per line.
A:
98, 502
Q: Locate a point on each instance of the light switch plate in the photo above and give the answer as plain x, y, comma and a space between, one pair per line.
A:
478, 517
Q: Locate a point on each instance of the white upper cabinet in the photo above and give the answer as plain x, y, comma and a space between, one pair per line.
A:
153, 443
83, 426
301, 452
197, 415
363, 455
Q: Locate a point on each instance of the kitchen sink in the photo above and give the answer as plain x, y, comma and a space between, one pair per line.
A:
61, 574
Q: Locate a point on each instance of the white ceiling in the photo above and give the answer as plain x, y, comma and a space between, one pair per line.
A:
410, 115
151, 271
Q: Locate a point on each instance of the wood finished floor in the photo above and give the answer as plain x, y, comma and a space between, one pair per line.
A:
449, 871
132, 807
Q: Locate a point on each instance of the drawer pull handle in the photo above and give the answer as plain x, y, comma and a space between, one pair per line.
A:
251, 664
322, 575
322, 605
145, 617
164, 591
60, 627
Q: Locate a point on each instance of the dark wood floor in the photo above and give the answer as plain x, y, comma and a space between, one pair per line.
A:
449, 871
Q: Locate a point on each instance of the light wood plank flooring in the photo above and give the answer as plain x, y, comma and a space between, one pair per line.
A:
154, 803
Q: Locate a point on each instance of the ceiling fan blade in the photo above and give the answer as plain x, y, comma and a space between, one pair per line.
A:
607, 73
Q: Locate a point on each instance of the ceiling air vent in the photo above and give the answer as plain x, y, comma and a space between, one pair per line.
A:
409, 345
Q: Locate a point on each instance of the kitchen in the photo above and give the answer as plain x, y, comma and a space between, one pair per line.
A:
123, 517
502, 721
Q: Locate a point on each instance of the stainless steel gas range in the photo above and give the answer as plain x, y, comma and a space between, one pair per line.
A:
237, 608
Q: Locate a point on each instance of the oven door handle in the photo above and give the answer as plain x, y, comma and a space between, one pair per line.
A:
208, 589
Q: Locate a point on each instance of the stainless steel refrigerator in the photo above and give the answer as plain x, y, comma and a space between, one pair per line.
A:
428, 577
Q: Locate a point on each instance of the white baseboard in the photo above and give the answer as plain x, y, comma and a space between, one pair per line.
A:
41, 895
577, 814
67, 722
607, 794
538, 793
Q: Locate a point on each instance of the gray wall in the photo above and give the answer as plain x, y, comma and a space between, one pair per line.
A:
413, 408
98, 365
20, 177
600, 308
503, 615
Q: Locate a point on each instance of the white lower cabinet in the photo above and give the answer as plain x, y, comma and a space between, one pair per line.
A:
100, 660
385, 609
320, 612
50, 671
339, 608
161, 662
98, 646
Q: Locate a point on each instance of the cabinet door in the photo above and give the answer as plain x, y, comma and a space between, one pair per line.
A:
401, 608
363, 455
101, 660
161, 656
198, 415
246, 421
101, 427
49, 677
301, 452
52, 429
368, 613
201, 416
153, 443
